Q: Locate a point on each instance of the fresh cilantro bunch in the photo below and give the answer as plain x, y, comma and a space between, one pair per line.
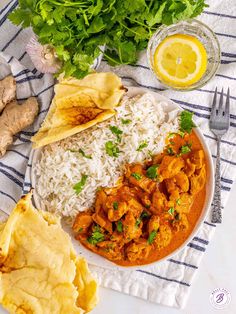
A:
78, 28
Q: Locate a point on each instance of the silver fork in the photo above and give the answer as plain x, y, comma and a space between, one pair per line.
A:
219, 125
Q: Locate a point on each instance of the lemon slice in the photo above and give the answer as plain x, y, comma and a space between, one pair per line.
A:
180, 60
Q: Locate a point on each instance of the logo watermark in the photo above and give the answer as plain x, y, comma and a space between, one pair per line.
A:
220, 298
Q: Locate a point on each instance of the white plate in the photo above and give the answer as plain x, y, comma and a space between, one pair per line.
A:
97, 260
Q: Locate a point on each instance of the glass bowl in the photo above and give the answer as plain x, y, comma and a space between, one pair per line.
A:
193, 28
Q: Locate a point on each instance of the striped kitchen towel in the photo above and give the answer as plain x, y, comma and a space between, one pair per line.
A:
169, 282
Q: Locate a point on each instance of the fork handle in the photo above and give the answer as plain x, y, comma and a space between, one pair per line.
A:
216, 210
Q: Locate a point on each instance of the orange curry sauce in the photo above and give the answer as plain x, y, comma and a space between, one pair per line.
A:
144, 218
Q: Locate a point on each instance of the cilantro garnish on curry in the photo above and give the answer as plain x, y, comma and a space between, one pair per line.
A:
155, 206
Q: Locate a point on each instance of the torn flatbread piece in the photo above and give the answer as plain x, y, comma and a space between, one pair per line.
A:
39, 269
78, 105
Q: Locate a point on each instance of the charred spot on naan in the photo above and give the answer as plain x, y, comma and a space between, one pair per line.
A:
78, 115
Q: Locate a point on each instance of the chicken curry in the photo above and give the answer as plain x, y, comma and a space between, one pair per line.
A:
152, 210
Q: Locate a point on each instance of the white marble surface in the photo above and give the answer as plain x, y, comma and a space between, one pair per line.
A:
216, 270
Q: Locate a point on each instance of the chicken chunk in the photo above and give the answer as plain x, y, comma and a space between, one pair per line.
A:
102, 220
116, 208
153, 224
82, 222
180, 224
130, 229
163, 237
197, 181
170, 166
159, 201
197, 158
135, 175
7, 91
183, 203
111, 250
179, 182
189, 168
138, 250
100, 201
135, 207
143, 197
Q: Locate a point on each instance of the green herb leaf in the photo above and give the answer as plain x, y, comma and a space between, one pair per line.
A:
126, 121
78, 187
178, 201
171, 211
84, 155
142, 146
136, 175
96, 236
115, 205
152, 172
144, 214
78, 28
152, 236
119, 226
117, 132
185, 149
170, 151
138, 222
112, 149
186, 122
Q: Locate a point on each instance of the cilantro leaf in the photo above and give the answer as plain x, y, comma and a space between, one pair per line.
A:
152, 172
126, 121
84, 155
112, 149
185, 149
171, 211
96, 236
78, 28
78, 187
152, 236
119, 226
115, 130
170, 151
136, 175
186, 122
115, 205
142, 146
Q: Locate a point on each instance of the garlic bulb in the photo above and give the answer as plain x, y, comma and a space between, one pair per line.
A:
43, 57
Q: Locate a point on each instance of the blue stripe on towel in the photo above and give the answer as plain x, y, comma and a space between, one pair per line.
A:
209, 224
1, 11
8, 195
196, 247
21, 175
9, 11
22, 56
12, 178
164, 278
223, 141
220, 14
226, 180
19, 153
201, 240
30, 78
11, 40
182, 263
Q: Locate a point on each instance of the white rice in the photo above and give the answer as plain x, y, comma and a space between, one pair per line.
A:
59, 169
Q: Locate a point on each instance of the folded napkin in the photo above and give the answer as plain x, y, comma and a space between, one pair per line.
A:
169, 282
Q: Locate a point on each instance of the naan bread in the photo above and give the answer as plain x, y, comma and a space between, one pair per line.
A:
39, 270
78, 105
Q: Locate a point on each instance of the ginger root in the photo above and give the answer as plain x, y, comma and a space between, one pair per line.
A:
7, 91
14, 119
